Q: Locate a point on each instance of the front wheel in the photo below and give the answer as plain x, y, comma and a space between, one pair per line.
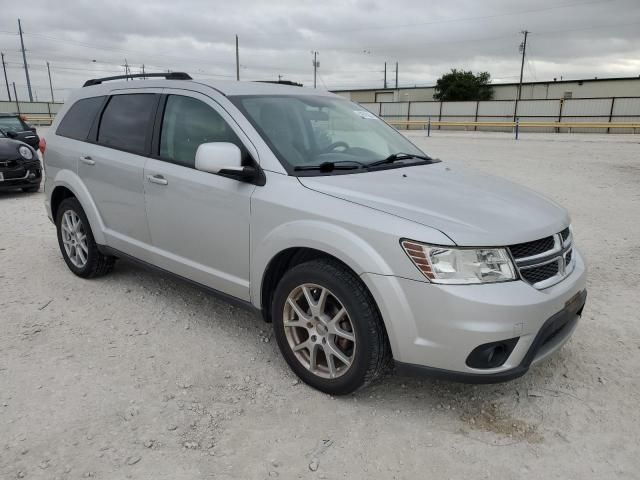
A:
328, 327
77, 244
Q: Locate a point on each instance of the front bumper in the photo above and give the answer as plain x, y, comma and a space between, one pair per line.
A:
433, 328
23, 174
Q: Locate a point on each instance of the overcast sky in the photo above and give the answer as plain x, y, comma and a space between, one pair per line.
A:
85, 39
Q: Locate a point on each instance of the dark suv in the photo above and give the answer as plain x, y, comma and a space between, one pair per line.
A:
20, 166
14, 127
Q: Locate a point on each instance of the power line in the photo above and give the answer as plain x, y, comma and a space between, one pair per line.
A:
436, 22
271, 67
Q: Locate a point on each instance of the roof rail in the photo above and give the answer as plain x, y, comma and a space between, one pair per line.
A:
281, 82
168, 76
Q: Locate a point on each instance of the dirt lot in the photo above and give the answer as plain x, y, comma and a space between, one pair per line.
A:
137, 375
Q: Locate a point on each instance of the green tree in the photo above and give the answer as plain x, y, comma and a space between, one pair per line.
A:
461, 85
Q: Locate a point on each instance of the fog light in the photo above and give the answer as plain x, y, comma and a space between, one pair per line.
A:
491, 355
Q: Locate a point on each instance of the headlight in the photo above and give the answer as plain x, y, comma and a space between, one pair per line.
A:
25, 152
460, 265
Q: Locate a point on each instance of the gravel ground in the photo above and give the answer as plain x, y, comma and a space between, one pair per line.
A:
137, 375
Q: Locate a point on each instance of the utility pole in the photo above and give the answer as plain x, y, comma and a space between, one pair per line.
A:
143, 77
4, 67
523, 47
126, 69
396, 75
385, 74
50, 84
24, 59
15, 95
316, 64
237, 60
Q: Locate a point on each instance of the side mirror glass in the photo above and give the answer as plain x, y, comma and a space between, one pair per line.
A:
216, 156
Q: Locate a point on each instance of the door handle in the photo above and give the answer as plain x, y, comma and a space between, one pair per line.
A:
158, 179
87, 159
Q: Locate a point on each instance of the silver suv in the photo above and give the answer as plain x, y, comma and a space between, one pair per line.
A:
360, 248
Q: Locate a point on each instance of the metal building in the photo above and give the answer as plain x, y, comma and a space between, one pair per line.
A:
555, 89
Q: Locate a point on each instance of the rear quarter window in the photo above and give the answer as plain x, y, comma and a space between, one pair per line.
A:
77, 122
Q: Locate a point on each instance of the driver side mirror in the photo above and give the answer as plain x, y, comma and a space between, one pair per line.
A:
224, 158
11, 134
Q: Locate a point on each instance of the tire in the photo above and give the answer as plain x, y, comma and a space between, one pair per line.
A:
367, 355
31, 189
95, 263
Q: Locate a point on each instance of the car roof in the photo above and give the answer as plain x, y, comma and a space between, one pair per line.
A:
225, 87
230, 88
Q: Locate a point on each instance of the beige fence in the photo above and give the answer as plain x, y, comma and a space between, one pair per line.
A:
36, 113
600, 115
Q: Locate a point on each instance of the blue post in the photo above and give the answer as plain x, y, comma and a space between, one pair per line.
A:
517, 127
429, 127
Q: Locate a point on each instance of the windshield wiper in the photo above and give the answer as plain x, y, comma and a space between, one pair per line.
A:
394, 157
331, 166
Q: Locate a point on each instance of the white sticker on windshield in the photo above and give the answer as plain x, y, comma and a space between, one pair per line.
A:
365, 114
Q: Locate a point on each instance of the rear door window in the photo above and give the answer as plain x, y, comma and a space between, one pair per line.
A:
77, 122
126, 121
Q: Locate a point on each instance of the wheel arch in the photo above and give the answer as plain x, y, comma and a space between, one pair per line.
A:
279, 265
67, 185
59, 193
290, 257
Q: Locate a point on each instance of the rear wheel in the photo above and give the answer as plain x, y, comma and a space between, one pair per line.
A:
328, 327
78, 247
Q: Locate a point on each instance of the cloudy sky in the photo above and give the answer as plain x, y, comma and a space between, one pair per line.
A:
85, 39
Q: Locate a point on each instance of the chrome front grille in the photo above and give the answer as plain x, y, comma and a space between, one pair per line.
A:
545, 262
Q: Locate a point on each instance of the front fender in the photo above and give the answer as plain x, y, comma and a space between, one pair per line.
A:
70, 180
332, 239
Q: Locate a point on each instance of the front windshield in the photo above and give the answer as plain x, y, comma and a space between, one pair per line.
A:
312, 129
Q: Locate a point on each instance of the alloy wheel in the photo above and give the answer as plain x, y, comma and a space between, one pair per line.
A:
319, 331
74, 239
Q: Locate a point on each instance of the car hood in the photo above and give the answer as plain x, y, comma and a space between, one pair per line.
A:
471, 208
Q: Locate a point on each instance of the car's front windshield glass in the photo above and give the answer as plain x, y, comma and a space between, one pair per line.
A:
310, 130
11, 124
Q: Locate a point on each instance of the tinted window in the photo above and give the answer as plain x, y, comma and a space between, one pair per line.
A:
126, 120
188, 123
78, 120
